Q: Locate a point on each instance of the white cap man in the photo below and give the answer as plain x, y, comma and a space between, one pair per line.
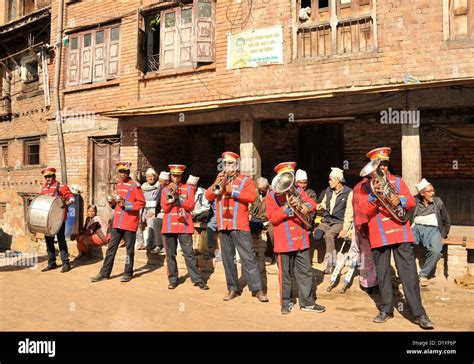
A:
431, 223
338, 214
301, 180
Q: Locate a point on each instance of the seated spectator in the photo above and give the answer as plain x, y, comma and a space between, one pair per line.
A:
338, 215
94, 233
202, 208
430, 224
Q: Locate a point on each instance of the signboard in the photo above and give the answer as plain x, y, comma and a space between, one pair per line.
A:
255, 47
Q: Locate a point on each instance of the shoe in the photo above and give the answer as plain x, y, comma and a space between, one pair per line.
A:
126, 278
424, 282
66, 267
50, 267
202, 286
329, 269
231, 295
424, 322
382, 317
314, 308
286, 310
262, 297
98, 278
172, 285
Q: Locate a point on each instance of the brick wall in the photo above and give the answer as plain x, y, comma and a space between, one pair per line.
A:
410, 37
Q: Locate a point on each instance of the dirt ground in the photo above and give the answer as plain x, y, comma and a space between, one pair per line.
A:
32, 300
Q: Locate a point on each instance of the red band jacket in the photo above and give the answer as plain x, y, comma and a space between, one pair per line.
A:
57, 189
232, 209
127, 217
383, 228
177, 217
289, 231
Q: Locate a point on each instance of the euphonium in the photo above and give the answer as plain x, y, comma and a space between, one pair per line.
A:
373, 170
285, 183
171, 195
218, 187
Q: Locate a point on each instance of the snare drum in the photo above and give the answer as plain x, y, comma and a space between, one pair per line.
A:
45, 215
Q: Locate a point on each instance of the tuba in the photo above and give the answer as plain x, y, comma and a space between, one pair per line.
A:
373, 170
171, 195
218, 187
285, 183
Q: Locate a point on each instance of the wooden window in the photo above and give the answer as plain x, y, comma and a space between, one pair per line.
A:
31, 152
93, 56
185, 36
354, 31
461, 19
11, 9
4, 156
28, 6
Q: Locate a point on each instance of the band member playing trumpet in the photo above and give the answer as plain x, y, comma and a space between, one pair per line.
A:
128, 201
233, 193
388, 234
292, 238
55, 188
177, 202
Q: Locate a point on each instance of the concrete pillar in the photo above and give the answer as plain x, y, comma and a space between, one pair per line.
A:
251, 163
411, 156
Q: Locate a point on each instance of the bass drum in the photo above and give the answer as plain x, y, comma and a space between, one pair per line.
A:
45, 215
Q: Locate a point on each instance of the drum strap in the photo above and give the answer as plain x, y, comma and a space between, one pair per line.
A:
56, 191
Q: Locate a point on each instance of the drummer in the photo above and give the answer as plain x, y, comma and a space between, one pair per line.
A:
55, 188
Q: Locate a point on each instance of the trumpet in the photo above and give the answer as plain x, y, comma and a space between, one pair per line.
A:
218, 187
171, 195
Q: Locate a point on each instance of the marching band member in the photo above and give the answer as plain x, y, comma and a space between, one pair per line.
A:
55, 188
292, 246
128, 201
387, 235
233, 193
177, 202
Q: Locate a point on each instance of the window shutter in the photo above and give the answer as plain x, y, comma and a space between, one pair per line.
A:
86, 57
99, 56
72, 75
185, 37
113, 54
141, 45
168, 39
204, 11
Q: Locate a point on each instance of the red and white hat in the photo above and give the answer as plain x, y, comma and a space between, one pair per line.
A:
49, 171
177, 168
230, 157
123, 166
379, 153
285, 167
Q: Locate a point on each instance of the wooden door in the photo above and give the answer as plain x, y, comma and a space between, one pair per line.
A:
106, 153
320, 147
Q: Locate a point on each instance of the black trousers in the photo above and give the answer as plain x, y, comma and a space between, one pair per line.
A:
405, 262
63, 253
298, 263
186, 242
116, 236
242, 241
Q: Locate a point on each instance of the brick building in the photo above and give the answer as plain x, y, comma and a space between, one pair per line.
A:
25, 106
316, 81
